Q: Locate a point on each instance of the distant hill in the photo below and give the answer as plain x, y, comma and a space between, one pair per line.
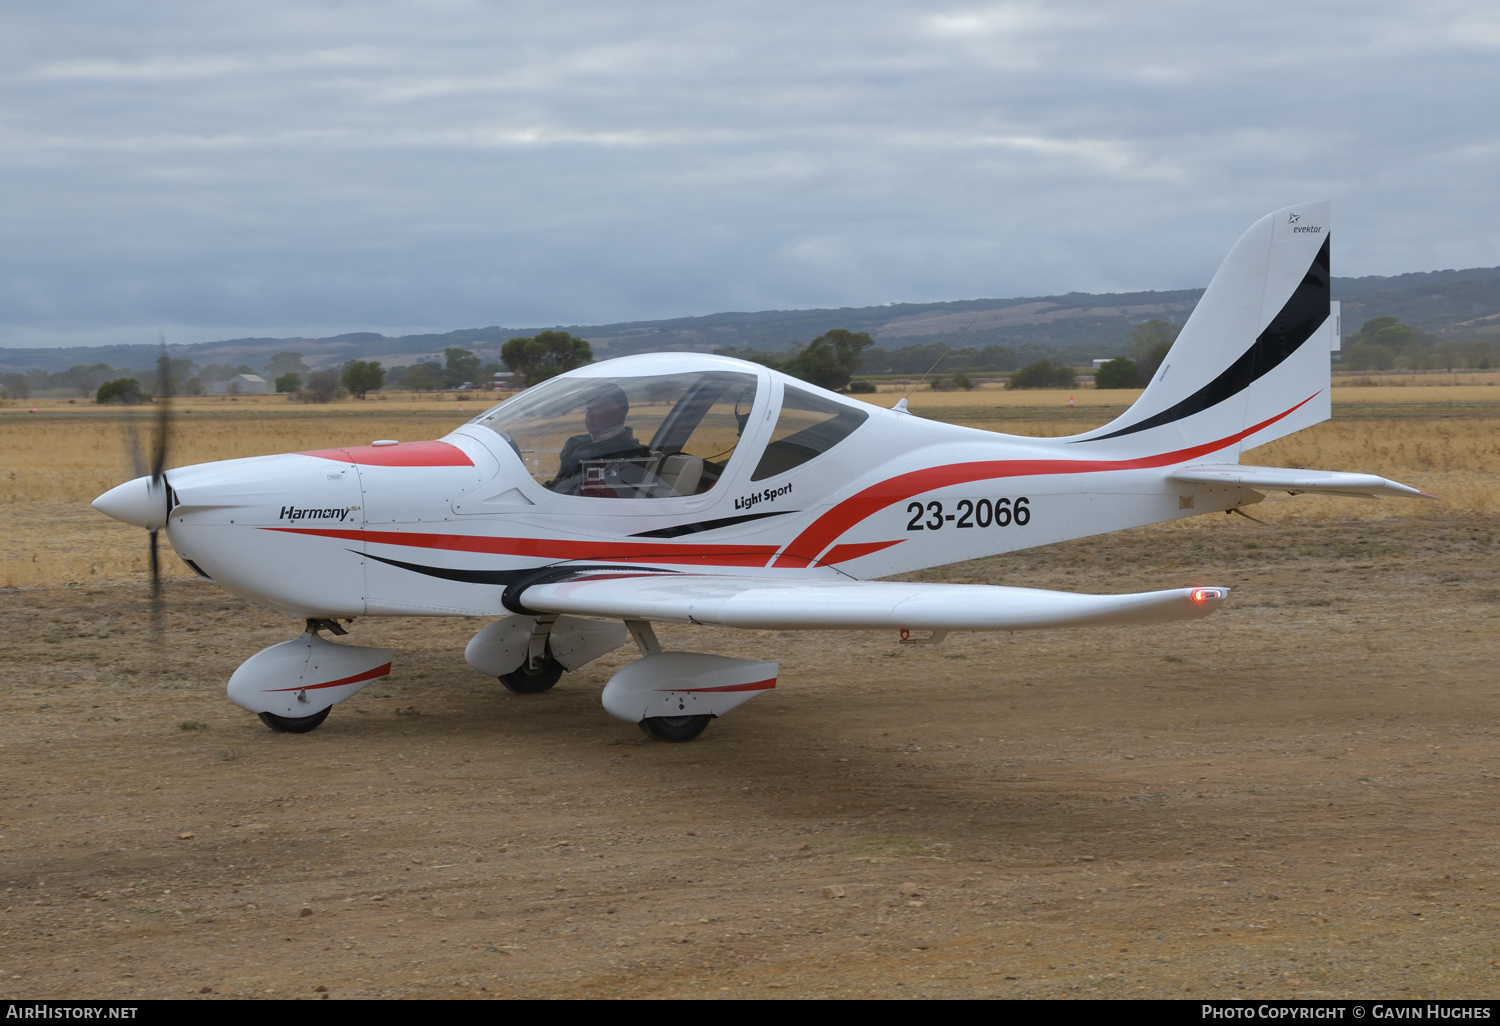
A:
1463, 304
319, 352
1077, 326
1077, 318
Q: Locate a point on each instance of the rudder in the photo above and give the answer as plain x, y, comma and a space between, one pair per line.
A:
1252, 362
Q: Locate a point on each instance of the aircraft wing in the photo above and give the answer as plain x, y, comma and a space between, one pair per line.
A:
769, 603
1330, 482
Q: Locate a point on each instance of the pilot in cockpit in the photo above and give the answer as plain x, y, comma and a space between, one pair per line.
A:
608, 437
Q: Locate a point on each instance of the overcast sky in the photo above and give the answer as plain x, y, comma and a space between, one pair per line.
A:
222, 169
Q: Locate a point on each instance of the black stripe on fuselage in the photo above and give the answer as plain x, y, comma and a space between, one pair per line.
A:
500, 577
1293, 325
709, 525
525, 577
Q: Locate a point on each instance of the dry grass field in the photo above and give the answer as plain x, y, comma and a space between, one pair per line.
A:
55, 464
1294, 797
57, 460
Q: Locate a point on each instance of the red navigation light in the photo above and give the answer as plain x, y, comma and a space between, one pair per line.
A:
1207, 594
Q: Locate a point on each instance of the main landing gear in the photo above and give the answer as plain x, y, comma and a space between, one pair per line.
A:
673, 695
528, 654
670, 695
533, 679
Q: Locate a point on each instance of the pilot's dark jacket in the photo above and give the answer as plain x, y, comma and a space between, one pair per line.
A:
617, 443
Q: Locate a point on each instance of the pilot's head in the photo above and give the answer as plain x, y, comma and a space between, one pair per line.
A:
606, 409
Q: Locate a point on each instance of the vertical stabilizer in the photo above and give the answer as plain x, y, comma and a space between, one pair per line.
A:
1252, 362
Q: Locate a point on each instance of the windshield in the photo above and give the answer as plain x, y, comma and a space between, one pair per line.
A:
646, 437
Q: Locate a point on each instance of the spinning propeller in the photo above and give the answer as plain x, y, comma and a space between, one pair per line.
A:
146, 501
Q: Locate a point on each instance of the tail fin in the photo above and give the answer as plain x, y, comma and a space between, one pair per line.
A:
1252, 362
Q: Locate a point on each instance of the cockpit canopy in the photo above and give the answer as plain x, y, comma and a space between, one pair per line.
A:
649, 436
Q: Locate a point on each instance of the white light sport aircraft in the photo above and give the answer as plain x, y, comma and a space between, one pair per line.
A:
694, 489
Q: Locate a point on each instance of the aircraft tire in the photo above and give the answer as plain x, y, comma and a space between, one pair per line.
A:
294, 724
674, 729
527, 681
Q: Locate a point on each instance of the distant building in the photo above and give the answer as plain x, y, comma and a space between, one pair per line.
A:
243, 384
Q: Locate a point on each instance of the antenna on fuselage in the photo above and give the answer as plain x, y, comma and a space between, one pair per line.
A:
900, 406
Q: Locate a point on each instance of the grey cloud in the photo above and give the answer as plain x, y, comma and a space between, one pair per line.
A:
307, 167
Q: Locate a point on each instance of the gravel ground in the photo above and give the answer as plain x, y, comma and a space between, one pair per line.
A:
1295, 797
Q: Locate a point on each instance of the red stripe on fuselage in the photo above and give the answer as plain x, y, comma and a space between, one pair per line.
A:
804, 550
853, 550
827, 529
553, 548
402, 454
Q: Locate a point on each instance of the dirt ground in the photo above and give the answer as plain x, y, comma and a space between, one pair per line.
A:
1294, 797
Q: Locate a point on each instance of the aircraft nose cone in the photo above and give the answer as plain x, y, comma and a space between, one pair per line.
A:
140, 502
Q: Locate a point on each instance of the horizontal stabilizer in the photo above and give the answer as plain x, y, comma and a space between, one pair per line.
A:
1279, 479
787, 604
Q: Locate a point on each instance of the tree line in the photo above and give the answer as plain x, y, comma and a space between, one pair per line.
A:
183, 377
1384, 343
832, 361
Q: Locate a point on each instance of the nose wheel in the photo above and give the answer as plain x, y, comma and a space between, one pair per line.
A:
674, 728
294, 724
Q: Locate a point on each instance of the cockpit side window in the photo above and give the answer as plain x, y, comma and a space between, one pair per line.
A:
647, 437
808, 426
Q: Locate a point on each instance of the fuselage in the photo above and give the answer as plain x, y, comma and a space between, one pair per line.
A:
443, 527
